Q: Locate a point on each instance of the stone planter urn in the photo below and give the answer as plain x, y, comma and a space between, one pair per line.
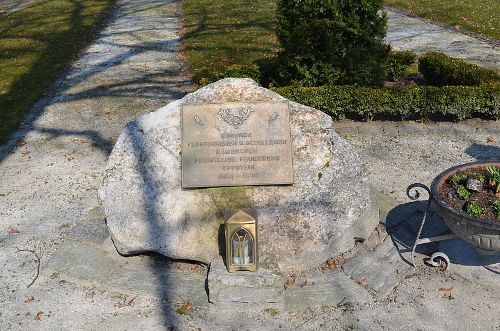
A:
484, 234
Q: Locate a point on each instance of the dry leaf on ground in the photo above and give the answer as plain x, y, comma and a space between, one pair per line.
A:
30, 300
445, 289
289, 282
362, 282
12, 230
185, 309
38, 316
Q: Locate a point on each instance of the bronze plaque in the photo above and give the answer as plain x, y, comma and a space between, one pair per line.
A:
234, 144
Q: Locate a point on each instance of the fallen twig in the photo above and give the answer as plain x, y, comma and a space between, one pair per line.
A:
38, 264
341, 303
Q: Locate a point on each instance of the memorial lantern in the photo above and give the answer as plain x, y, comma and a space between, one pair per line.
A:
241, 240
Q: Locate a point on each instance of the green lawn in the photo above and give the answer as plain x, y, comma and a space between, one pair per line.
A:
480, 16
36, 45
218, 34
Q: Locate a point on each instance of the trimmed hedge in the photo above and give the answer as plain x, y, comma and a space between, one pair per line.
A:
450, 102
439, 69
398, 62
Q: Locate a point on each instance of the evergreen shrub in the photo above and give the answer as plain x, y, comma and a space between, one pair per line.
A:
329, 42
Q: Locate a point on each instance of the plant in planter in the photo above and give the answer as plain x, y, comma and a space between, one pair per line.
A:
474, 210
496, 208
495, 178
467, 198
473, 191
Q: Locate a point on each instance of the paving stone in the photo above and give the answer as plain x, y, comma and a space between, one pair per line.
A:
170, 284
94, 232
381, 270
102, 104
81, 261
265, 287
262, 286
328, 288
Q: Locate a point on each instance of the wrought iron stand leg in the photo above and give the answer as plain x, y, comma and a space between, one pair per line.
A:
415, 197
437, 258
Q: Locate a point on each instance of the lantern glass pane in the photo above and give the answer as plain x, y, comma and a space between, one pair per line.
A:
242, 247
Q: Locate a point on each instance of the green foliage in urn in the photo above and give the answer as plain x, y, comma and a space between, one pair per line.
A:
327, 42
474, 209
458, 178
463, 193
496, 208
479, 177
495, 177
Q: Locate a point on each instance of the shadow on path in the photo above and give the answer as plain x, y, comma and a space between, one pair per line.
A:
135, 57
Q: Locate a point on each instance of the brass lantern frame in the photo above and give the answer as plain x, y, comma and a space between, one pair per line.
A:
238, 223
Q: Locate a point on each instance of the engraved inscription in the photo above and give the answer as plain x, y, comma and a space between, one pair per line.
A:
272, 117
235, 116
234, 145
197, 119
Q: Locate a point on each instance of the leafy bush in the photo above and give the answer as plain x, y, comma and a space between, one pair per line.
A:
450, 102
327, 42
398, 62
439, 70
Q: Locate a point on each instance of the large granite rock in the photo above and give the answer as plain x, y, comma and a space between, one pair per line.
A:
300, 226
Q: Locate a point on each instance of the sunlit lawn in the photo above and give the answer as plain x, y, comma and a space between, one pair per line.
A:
218, 33
36, 45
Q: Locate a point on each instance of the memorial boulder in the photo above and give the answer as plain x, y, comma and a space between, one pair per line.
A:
233, 144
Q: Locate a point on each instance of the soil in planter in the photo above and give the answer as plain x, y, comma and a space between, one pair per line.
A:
483, 198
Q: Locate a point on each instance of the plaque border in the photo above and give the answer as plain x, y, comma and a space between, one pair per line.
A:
287, 102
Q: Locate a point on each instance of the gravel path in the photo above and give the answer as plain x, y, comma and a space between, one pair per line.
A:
51, 170
407, 32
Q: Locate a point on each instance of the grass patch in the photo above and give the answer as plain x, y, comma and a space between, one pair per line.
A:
221, 34
480, 16
36, 45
